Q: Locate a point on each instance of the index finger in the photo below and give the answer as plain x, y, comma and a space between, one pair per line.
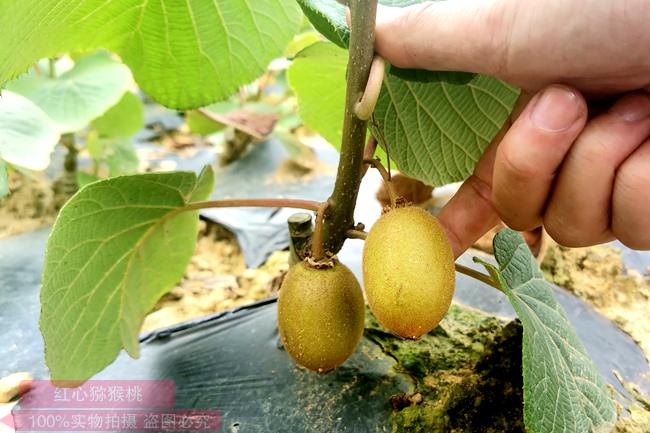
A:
470, 212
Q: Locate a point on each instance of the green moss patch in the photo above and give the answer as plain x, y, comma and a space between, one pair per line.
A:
467, 374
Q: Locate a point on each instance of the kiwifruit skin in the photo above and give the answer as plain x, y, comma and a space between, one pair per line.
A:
408, 271
320, 315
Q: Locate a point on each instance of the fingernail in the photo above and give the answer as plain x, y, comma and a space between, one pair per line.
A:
632, 107
556, 109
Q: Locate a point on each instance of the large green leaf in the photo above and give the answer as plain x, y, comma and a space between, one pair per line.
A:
328, 17
201, 125
121, 156
438, 127
185, 54
322, 100
123, 119
436, 124
95, 84
118, 153
117, 246
27, 135
563, 392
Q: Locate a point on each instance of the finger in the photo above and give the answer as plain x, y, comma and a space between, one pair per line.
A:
470, 214
450, 35
631, 200
578, 213
531, 152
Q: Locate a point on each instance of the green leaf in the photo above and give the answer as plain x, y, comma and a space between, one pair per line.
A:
201, 125
121, 157
72, 100
438, 127
118, 153
116, 247
84, 178
27, 134
185, 54
300, 42
563, 391
328, 17
322, 100
123, 119
437, 124
4, 179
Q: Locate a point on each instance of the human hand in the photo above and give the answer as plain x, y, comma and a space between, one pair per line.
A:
585, 177
598, 46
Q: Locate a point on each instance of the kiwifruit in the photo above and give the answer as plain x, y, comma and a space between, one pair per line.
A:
408, 271
320, 315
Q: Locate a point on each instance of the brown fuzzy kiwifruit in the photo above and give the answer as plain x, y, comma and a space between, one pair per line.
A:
408, 271
320, 315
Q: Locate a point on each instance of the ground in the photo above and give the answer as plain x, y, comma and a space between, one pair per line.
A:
466, 373
217, 279
30, 205
597, 275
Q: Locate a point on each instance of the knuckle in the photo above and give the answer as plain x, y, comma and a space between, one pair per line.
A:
481, 187
574, 235
519, 222
633, 178
563, 233
519, 219
519, 169
597, 145
634, 239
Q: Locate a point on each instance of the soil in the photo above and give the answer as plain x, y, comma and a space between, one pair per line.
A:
598, 275
467, 378
303, 168
29, 205
467, 375
637, 420
217, 279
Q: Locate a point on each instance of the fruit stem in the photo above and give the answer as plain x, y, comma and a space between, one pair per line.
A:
477, 276
377, 131
340, 213
375, 163
317, 250
370, 149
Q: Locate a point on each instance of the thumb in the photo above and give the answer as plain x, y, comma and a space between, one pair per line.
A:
453, 35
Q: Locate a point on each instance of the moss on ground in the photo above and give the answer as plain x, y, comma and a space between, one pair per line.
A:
467, 375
